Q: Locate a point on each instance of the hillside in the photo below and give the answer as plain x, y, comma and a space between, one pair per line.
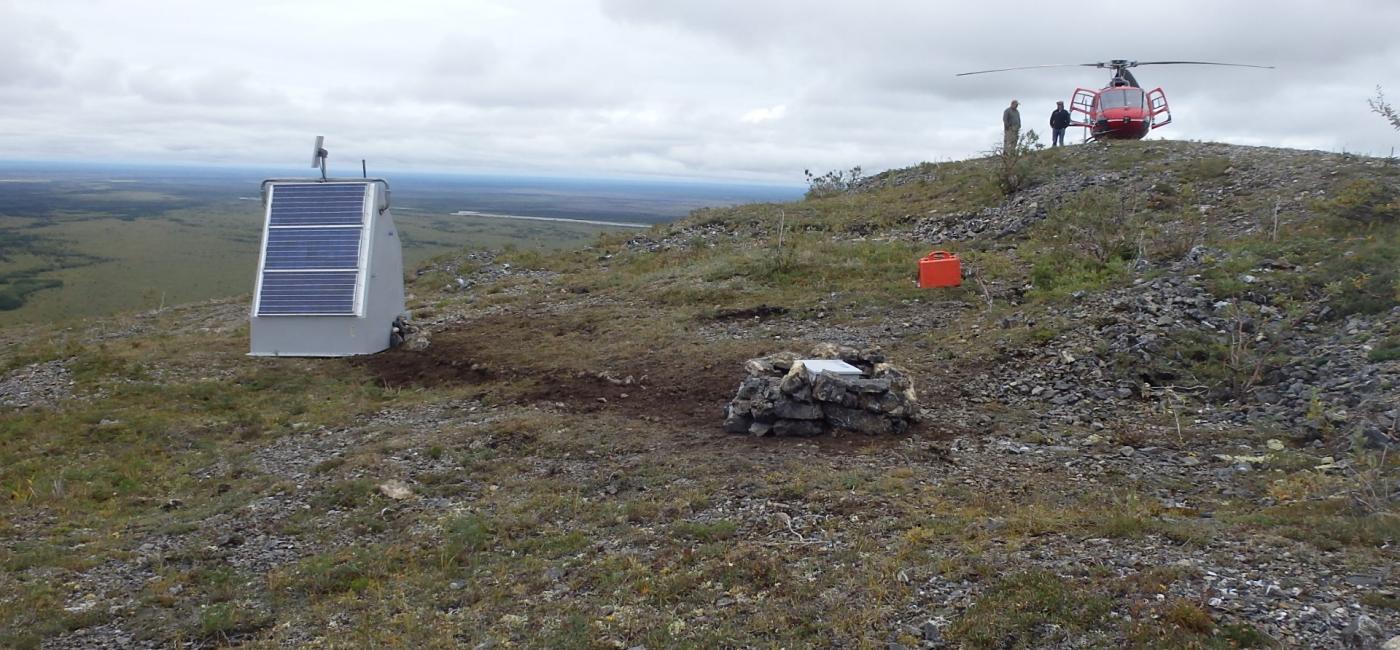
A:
1160, 412
91, 240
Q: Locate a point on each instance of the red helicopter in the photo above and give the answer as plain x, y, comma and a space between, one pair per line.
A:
1121, 110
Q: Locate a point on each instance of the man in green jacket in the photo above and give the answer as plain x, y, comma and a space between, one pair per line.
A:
1011, 122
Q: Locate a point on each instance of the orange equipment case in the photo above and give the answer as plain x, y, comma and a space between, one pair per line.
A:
940, 269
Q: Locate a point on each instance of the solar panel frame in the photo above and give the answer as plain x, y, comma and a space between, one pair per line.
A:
314, 250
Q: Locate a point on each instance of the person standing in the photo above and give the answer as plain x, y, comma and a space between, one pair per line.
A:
1059, 121
1011, 123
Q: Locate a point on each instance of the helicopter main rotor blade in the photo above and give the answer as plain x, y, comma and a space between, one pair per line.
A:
1236, 65
1031, 67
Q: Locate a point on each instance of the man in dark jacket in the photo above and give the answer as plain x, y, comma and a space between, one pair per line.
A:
1059, 121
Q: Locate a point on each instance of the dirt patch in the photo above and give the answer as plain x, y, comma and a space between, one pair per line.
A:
653, 386
760, 312
399, 368
575, 362
694, 400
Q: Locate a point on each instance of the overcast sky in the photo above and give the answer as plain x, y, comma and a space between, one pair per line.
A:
731, 89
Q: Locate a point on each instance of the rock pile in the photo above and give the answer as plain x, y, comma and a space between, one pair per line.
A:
1167, 341
782, 397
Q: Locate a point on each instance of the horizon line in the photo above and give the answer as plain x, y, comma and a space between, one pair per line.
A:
539, 175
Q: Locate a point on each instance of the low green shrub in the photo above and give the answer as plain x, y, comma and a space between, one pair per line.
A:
1364, 200
1386, 350
831, 183
1017, 168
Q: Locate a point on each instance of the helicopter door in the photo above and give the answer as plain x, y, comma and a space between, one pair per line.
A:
1084, 101
1157, 105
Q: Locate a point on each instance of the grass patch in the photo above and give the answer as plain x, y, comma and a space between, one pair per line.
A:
1355, 269
463, 536
223, 622
1386, 350
1089, 242
32, 612
1029, 610
328, 465
1188, 616
1365, 200
1244, 635
1056, 277
1380, 601
704, 531
1209, 168
1188, 626
1331, 524
338, 572
345, 495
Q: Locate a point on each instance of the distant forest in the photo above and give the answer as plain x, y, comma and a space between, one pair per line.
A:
16, 284
54, 218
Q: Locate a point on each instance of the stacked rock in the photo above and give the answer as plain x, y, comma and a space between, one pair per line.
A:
782, 397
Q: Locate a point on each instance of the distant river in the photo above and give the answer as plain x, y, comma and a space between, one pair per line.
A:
622, 224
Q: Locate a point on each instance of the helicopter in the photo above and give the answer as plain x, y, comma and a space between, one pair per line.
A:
1121, 110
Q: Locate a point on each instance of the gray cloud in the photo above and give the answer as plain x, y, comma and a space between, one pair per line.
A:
219, 87
739, 89
34, 50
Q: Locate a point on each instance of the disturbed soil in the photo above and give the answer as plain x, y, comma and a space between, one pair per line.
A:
682, 391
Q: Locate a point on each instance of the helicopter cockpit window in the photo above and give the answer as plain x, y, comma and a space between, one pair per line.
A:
1127, 97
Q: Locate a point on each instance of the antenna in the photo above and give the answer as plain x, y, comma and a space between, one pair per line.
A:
319, 155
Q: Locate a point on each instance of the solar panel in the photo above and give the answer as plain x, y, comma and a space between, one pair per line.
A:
311, 258
308, 293
312, 248
318, 204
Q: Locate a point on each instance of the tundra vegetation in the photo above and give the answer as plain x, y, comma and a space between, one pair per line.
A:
570, 486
